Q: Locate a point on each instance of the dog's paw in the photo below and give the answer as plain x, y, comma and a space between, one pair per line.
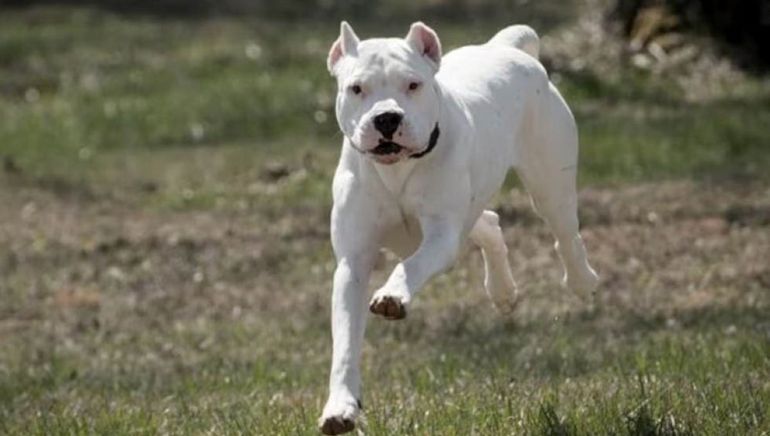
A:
339, 416
390, 306
504, 295
583, 282
336, 425
506, 306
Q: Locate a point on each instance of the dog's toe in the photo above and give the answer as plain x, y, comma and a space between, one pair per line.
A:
583, 282
507, 306
389, 307
337, 425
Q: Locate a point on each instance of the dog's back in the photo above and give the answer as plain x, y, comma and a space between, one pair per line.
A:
500, 83
488, 71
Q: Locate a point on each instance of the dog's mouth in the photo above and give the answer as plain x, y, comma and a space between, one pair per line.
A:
386, 148
389, 152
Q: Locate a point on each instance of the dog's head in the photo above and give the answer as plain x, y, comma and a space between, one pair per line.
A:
387, 100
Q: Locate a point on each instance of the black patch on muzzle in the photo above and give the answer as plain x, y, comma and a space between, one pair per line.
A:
387, 147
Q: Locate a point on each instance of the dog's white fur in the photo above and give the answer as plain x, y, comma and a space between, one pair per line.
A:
495, 109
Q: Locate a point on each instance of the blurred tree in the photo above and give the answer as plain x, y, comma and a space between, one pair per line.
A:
541, 14
742, 26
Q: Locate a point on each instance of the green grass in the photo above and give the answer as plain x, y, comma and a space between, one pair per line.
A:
79, 84
158, 275
548, 377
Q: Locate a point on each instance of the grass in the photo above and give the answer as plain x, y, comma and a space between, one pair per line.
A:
80, 84
545, 377
165, 265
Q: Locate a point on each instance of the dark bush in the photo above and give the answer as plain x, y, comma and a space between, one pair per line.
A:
743, 27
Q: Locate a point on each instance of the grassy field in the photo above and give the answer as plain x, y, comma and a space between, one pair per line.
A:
165, 265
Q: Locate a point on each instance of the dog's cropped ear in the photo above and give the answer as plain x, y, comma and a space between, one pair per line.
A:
425, 41
345, 45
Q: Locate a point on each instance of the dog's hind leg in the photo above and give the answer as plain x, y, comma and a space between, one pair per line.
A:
555, 199
498, 279
548, 168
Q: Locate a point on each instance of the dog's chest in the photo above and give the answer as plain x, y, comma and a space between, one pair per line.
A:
399, 191
395, 178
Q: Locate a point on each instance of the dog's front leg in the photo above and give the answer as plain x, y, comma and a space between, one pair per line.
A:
348, 324
354, 239
437, 252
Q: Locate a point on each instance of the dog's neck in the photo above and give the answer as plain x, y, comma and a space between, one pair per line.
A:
395, 177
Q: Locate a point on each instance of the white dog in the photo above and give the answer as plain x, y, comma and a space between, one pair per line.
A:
428, 142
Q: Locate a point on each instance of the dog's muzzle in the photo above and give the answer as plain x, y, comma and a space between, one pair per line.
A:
386, 148
431, 143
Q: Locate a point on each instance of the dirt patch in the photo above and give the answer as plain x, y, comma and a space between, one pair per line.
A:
660, 248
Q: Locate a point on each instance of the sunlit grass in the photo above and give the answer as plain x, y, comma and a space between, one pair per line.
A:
86, 83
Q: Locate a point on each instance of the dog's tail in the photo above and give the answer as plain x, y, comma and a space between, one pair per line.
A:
520, 36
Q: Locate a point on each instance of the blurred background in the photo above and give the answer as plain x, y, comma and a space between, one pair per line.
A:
165, 171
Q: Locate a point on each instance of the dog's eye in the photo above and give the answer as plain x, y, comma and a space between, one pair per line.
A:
414, 85
356, 89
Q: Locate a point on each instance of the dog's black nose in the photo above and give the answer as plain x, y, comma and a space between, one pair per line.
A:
387, 123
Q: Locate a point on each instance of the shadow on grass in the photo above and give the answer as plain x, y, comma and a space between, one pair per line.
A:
588, 341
